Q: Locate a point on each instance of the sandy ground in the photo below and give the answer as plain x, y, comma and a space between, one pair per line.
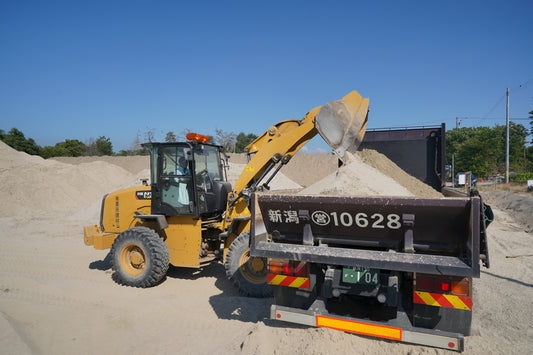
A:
57, 295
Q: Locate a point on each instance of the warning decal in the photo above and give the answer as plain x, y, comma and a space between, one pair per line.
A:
290, 281
440, 300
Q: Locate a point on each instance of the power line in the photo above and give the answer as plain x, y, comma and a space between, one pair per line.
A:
504, 96
491, 118
496, 105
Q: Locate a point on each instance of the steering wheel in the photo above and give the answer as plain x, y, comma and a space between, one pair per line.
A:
202, 177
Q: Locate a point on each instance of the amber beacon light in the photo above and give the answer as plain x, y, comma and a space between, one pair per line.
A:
197, 137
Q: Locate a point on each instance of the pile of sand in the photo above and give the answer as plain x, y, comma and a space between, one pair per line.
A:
369, 173
387, 167
133, 164
279, 182
520, 205
32, 185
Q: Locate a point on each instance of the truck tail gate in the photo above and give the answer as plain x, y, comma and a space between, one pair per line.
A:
422, 336
432, 236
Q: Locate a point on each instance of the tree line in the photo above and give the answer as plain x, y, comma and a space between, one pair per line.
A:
482, 150
16, 139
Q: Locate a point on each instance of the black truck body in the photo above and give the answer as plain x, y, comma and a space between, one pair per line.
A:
390, 267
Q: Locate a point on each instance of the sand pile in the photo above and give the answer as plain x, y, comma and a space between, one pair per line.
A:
306, 169
32, 185
280, 181
389, 168
133, 164
370, 173
520, 205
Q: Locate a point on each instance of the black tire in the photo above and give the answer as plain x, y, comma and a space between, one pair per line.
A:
248, 274
139, 258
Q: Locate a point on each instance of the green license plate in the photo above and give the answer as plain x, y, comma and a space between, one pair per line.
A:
360, 275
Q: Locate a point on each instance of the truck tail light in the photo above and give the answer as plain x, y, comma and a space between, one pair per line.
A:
424, 284
460, 288
301, 269
442, 286
450, 285
275, 267
288, 267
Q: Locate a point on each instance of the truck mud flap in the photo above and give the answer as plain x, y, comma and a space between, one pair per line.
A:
399, 329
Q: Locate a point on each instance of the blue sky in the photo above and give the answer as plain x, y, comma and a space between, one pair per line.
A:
82, 69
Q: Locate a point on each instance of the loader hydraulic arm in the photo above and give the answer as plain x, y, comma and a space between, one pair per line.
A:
277, 145
341, 123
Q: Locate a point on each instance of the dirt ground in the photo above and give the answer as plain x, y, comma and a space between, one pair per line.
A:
57, 295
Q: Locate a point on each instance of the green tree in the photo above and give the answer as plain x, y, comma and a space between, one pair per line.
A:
482, 149
74, 147
529, 154
68, 148
243, 140
104, 146
16, 140
99, 147
54, 151
170, 137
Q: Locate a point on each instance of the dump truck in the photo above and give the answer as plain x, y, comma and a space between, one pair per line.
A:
399, 268
190, 215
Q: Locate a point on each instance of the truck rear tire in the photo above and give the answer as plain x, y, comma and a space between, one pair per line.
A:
248, 274
139, 258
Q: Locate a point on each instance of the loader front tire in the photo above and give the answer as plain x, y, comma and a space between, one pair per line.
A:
248, 274
139, 258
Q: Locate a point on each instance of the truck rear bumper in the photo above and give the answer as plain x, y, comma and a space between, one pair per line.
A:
423, 263
93, 235
399, 329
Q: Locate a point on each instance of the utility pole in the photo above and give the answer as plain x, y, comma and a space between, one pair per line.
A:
507, 141
457, 122
453, 168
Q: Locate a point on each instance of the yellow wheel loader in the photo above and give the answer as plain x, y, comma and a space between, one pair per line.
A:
190, 215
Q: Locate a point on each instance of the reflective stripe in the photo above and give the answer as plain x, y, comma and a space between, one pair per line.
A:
440, 300
359, 327
289, 281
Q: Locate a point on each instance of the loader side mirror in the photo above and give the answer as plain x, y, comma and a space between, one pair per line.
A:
187, 153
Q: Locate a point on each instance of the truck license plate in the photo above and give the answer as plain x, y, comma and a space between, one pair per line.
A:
360, 275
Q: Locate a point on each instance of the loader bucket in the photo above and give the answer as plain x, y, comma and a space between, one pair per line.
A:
342, 123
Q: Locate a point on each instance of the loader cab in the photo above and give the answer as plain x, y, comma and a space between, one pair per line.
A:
188, 179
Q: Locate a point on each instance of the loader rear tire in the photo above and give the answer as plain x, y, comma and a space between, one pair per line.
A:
139, 258
248, 274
